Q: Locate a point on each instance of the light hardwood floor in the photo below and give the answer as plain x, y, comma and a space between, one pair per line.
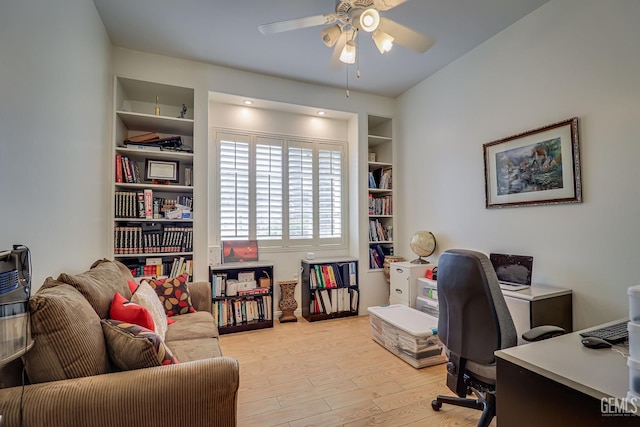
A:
331, 373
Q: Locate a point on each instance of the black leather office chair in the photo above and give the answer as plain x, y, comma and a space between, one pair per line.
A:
473, 323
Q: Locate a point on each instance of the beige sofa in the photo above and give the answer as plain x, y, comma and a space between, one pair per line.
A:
73, 382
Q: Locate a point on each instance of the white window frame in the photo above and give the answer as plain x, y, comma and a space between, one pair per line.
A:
285, 243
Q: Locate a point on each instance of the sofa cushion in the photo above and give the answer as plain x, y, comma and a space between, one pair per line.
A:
173, 294
68, 340
195, 349
99, 285
124, 270
147, 298
127, 311
131, 346
192, 326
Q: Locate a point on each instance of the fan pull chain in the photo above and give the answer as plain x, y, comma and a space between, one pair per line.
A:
347, 68
358, 64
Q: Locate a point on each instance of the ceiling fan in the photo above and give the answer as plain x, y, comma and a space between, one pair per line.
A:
346, 22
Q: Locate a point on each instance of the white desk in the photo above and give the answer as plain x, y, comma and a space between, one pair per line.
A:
534, 306
559, 382
540, 305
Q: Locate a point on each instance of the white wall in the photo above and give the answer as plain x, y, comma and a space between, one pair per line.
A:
54, 87
569, 58
205, 78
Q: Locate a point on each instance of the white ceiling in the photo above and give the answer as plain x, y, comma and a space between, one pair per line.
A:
226, 33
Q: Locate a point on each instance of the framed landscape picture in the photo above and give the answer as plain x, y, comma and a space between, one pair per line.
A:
538, 167
239, 251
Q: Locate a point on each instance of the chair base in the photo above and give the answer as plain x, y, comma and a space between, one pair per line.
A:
486, 402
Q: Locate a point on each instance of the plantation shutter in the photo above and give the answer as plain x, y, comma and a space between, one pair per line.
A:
300, 170
268, 171
234, 187
330, 191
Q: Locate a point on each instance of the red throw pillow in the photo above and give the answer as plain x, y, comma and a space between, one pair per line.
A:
133, 286
173, 294
129, 312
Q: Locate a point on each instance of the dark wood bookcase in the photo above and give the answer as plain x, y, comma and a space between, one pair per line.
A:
345, 272
260, 270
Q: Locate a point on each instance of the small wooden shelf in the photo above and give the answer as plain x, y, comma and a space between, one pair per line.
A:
308, 291
230, 271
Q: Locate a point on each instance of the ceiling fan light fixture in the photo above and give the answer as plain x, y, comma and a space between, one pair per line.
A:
348, 54
369, 20
330, 35
383, 41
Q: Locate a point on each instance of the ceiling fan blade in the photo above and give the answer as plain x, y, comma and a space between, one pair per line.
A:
296, 24
387, 4
405, 36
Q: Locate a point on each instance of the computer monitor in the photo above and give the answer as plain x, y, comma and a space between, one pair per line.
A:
513, 269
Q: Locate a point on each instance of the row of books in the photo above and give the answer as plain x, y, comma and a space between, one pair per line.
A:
127, 170
381, 180
380, 205
378, 232
142, 204
335, 275
158, 239
156, 267
327, 301
221, 286
377, 254
236, 312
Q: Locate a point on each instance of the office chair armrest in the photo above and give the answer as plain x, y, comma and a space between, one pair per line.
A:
540, 333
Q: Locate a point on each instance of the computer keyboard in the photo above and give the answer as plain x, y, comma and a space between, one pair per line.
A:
613, 334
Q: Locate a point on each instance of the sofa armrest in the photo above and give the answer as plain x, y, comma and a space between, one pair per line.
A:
199, 393
200, 293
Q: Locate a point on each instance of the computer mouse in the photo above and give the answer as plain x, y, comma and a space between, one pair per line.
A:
593, 342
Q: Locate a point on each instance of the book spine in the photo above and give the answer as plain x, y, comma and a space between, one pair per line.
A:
118, 167
148, 204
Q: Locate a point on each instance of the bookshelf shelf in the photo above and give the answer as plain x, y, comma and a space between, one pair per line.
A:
139, 226
329, 288
168, 188
151, 123
156, 155
133, 219
233, 313
154, 254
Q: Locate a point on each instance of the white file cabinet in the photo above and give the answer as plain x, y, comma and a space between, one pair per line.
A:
404, 282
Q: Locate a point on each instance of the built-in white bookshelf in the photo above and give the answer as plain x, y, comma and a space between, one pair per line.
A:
152, 180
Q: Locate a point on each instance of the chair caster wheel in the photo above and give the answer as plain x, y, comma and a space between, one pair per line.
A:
435, 405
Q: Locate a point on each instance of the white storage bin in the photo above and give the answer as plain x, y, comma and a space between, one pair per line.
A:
427, 288
634, 303
634, 375
634, 340
428, 306
408, 333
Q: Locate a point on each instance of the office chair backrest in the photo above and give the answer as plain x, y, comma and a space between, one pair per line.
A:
474, 320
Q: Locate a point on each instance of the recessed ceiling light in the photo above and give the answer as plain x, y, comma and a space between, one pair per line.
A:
322, 113
247, 102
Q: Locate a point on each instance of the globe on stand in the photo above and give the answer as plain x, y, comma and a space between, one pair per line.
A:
423, 243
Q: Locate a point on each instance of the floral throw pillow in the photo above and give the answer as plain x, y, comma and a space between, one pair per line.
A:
173, 294
132, 346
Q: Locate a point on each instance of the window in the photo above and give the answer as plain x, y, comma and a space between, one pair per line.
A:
282, 191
